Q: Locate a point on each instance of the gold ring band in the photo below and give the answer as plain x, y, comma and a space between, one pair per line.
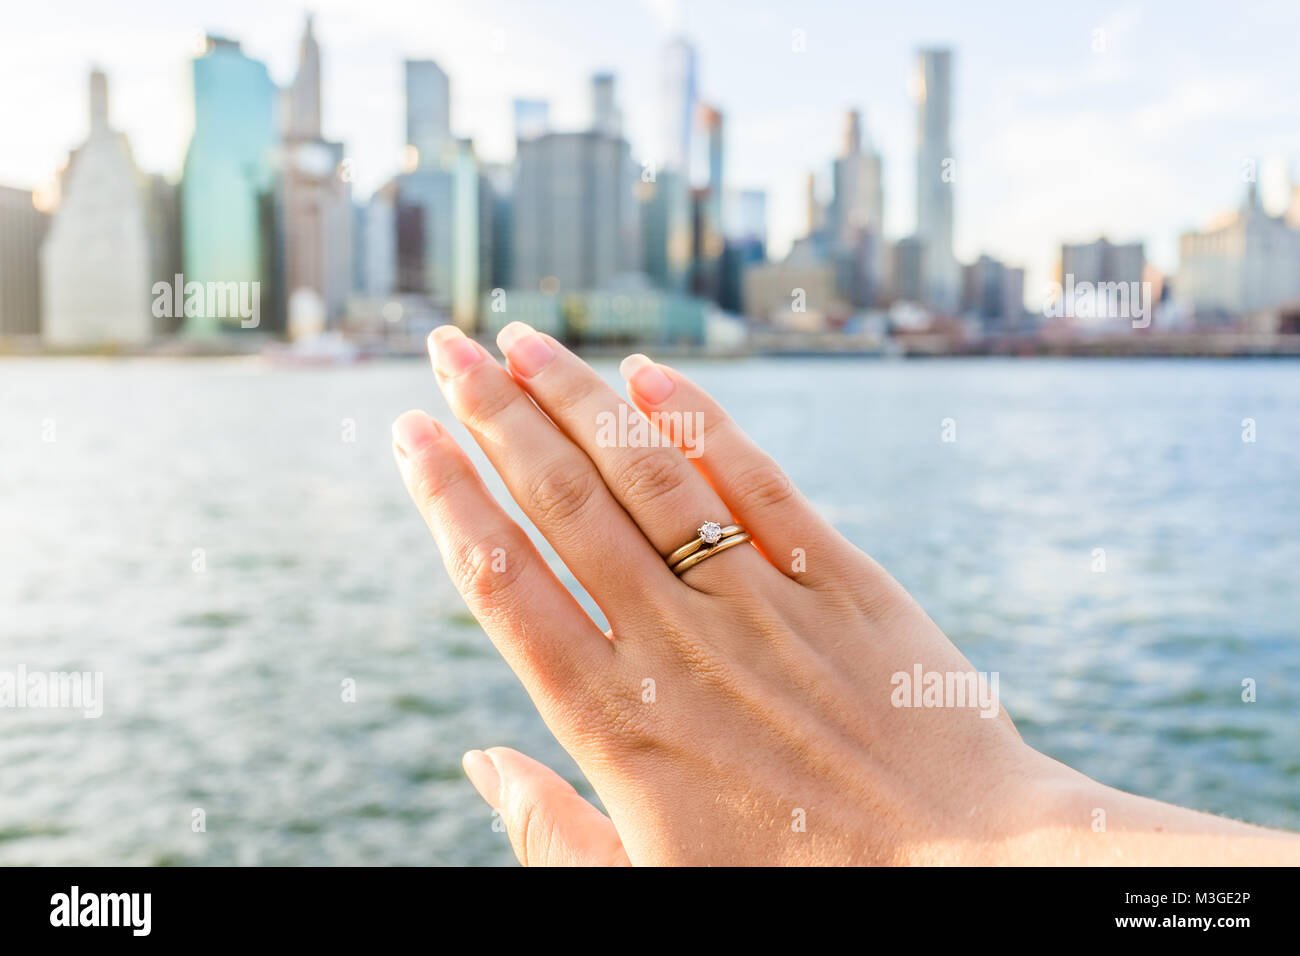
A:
686, 550
704, 554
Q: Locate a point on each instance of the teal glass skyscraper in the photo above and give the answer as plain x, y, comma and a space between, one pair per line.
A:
228, 192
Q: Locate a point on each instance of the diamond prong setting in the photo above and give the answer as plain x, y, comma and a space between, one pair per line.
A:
711, 532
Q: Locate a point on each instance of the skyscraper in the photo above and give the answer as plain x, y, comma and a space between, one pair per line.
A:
229, 207
993, 293
379, 252
570, 203
856, 217
814, 214
744, 229
428, 111
673, 181
858, 202
436, 210
532, 118
935, 175
605, 116
317, 204
95, 263
22, 229
708, 247
166, 244
496, 225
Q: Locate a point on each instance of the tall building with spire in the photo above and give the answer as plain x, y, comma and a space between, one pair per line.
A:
856, 216
95, 263
935, 177
231, 216
317, 204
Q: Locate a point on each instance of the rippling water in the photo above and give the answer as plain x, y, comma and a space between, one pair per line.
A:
223, 684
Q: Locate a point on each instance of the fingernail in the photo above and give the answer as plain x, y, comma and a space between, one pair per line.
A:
646, 378
451, 351
413, 430
527, 351
482, 773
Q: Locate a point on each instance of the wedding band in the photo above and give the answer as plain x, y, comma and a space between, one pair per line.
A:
711, 539
705, 553
709, 534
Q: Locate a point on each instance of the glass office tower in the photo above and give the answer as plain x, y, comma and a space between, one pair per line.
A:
229, 219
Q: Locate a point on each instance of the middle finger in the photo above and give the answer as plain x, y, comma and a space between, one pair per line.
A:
666, 496
551, 479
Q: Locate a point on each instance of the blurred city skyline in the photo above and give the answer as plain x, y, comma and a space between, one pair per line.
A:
1129, 121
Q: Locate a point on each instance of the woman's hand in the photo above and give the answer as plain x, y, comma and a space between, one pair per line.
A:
760, 708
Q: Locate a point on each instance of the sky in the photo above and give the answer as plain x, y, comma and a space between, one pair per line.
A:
1133, 120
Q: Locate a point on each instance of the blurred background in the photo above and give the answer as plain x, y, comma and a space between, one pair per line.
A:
1015, 297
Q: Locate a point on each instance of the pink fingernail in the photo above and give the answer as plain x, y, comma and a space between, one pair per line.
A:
527, 351
413, 430
646, 379
452, 352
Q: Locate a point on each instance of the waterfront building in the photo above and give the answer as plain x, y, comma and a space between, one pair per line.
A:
797, 294
993, 294
674, 173
532, 118
230, 207
436, 203
1244, 261
95, 264
317, 203
22, 230
428, 112
935, 177
707, 228
570, 204
855, 217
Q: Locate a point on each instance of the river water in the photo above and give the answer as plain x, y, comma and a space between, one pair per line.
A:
229, 543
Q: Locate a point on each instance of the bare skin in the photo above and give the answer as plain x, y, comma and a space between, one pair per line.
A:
746, 712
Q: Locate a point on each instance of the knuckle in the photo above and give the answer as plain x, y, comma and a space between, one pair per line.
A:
566, 402
435, 475
649, 475
486, 398
486, 571
559, 493
763, 486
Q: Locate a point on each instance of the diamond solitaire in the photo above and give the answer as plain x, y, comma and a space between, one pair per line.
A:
711, 532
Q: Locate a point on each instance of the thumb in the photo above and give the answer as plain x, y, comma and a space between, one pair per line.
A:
549, 823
